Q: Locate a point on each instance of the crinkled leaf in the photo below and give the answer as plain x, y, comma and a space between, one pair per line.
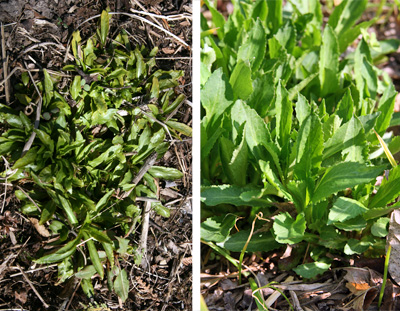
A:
344, 209
354, 246
217, 228
289, 230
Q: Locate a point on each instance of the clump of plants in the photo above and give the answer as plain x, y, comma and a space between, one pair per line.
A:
82, 160
292, 125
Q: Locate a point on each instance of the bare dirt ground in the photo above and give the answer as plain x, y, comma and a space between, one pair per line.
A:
38, 31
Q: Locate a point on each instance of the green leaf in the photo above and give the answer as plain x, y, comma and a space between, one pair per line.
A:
109, 249
284, 111
234, 161
253, 49
45, 139
28, 158
217, 228
345, 108
288, 230
99, 100
263, 94
65, 270
350, 140
388, 191
94, 255
155, 88
161, 209
374, 213
47, 212
295, 90
121, 285
104, 27
241, 80
141, 66
274, 19
168, 173
386, 105
270, 176
355, 224
344, 175
48, 86
86, 273
311, 269
380, 227
103, 201
260, 242
217, 18
366, 77
61, 253
180, 127
286, 36
97, 234
344, 209
75, 88
346, 15
354, 246
230, 194
106, 156
309, 146
257, 134
216, 96
329, 62
87, 287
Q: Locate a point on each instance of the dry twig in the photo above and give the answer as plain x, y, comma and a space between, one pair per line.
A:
5, 63
33, 287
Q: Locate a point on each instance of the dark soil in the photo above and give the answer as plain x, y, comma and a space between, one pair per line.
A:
37, 33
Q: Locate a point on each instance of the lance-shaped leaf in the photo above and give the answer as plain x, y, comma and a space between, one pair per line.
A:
121, 285
329, 62
241, 80
104, 27
61, 253
346, 15
234, 160
309, 146
366, 77
388, 191
284, 111
230, 194
257, 134
94, 255
216, 96
386, 105
253, 48
344, 175
350, 140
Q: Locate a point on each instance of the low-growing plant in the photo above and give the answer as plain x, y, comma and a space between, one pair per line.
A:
288, 121
84, 160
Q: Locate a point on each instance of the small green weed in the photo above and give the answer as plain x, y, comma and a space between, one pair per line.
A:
80, 161
287, 129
